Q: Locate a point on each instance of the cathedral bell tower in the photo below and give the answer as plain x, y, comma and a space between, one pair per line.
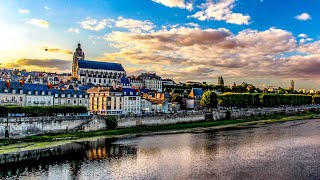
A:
77, 55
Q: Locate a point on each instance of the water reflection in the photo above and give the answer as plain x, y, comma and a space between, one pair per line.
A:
277, 151
69, 156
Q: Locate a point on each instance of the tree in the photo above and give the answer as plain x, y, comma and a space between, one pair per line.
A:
209, 100
177, 98
111, 122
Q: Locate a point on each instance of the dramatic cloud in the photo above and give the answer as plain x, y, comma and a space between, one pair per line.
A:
134, 25
24, 11
192, 53
39, 23
176, 3
95, 25
57, 50
221, 11
303, 17
40, 64
74, 30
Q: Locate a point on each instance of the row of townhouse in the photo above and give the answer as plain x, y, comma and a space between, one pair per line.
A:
148, 81
98, 100
14, 93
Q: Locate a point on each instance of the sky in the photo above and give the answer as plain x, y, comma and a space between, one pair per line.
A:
263, 42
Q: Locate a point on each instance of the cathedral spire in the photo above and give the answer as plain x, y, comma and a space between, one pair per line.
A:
77, 55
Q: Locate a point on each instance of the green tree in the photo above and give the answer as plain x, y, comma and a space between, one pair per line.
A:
177, 98
209, 100
111, 122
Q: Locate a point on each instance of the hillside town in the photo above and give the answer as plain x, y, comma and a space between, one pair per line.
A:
104, 88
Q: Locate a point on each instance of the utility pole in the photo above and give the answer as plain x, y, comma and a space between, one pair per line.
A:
6, 134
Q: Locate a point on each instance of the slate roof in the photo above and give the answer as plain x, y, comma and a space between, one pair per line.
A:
197, 91
100, 65
125, 81
126, 92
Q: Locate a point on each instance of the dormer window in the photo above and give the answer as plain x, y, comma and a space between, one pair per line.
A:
55, 95
74, 95
6, 90
131, 93
49, 92
69, 95
29, 92
36, 92
13, 91
80, 95
63, 95
21, 91
42, 93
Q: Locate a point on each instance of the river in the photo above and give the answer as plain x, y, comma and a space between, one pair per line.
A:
289, 150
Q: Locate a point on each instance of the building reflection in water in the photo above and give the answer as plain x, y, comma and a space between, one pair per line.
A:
73, 154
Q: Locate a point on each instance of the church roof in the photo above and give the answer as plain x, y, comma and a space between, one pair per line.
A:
100, 65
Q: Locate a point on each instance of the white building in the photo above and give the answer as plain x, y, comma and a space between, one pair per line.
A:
70, 97
11, 93
148, 81
131, 101
146, 106
38, 95
105, 101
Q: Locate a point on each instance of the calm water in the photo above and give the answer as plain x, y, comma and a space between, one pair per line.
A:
279, 151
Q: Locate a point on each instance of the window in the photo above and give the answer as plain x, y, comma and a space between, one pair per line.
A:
55, 95
21, 98
74, 101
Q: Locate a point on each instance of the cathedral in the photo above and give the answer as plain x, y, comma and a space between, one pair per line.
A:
95, 72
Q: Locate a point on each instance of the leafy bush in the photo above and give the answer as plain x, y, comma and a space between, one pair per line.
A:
41, 110
111, 122
264, 100
209, 100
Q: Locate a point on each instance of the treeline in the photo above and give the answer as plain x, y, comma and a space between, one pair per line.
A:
265, 100
33, 111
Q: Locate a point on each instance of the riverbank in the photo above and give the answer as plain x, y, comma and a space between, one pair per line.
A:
54, 139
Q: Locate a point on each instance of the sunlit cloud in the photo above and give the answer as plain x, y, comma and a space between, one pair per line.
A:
202, 53
176, 3
24, 11
74, 30
39, 23
134, 25
303, 17
94, 24
46, 8
39, 64
221, 11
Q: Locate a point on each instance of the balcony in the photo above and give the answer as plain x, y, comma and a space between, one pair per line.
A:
10, 102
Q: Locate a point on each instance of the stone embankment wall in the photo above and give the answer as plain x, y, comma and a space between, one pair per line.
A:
196, 116
26, 126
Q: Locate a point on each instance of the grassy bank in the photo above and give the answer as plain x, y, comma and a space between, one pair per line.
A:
153, 129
